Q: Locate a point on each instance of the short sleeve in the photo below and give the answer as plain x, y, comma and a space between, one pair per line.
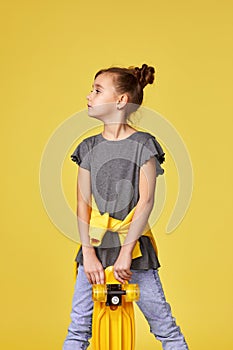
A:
81, 155
152, 148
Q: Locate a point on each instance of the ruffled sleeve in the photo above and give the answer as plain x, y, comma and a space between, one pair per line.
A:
81, 155
152, 148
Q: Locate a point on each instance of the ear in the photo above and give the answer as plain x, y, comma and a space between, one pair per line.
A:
122, 101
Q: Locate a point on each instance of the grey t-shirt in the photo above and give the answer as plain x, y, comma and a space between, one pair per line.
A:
115, 168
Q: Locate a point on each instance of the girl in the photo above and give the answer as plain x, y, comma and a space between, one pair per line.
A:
117, 172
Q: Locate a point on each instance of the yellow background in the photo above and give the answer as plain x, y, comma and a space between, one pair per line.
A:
50, 53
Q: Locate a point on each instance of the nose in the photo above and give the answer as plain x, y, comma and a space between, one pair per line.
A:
89, 96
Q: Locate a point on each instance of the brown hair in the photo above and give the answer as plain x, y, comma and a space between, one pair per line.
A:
132, 81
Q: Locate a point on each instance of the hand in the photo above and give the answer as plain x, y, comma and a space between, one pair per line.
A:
122, 266
93, 267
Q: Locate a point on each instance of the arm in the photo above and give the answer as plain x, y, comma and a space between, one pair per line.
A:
142, 212
92, 266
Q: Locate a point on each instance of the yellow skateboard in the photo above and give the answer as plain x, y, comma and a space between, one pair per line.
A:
113, 326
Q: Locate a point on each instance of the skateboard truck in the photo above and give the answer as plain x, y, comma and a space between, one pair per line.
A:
114, 294
111, 294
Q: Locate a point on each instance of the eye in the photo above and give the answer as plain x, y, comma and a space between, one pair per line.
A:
97, 91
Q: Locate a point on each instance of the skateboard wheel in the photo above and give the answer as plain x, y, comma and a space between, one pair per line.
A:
99, 292
132, 292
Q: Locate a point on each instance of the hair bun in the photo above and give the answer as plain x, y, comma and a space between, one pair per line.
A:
144, 75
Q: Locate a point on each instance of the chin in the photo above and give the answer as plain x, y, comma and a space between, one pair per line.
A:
92, 114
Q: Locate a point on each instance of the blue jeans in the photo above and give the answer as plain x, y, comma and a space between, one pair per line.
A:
152, 303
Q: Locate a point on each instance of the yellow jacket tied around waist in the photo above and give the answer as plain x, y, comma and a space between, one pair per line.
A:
99, 224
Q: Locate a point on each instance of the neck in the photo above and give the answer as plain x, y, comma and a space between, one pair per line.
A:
115, 131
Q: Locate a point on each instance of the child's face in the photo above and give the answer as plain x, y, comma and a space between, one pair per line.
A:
102, 101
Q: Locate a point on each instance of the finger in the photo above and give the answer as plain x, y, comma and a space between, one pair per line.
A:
102, 277
89, 278
125, 278
124, 274
117, 276
93, 278
97, 278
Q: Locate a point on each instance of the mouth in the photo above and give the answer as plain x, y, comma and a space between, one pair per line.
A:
89, 106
